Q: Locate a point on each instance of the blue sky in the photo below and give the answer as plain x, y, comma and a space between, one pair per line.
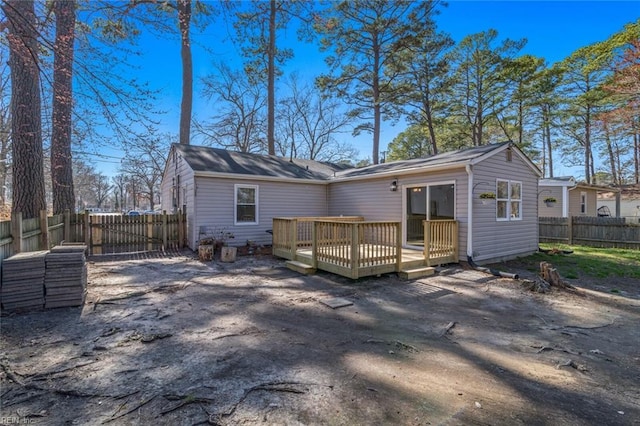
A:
554, 29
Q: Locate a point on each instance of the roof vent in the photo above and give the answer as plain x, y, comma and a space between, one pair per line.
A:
307, 167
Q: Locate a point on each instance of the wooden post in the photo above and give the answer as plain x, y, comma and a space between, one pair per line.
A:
294, 238
181, 230
96, 233
355, 249
570, 230
427, 242
398, 247
67, 226
455, 241
149, 232
44, 230
314, 245
16, 232
164, 230
87, 232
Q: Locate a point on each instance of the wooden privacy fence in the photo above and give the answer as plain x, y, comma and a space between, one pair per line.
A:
590, 231
103, 234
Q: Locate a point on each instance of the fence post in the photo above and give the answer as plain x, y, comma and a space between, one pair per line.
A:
181, 231
44, 231
149, 232
67, 226
16, 232
164, 230
87, 231
570, 230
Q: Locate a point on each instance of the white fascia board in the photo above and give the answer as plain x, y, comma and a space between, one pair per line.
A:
550, 182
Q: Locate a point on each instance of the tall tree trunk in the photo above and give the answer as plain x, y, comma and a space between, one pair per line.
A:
426, 106
5, 145
184, 21
271, 89
636, 157
376, 102
587, 146
612, 158
547, 126
61, 164
28, 170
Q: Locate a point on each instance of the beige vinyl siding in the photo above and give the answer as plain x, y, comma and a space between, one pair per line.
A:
373, 199
546, 192
574, 201
215, 206
493, 239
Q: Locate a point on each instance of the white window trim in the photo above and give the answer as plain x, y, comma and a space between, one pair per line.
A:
583, 202
235, 204
509, 200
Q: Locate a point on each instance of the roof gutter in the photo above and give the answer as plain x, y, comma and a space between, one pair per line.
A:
393, 173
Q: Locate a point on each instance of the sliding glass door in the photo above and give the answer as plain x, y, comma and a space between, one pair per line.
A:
426, 202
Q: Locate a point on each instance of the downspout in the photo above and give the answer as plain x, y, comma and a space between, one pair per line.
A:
495, 272
469, 170
565, 201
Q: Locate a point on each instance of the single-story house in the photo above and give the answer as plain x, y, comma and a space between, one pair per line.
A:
627, 202
572, 198
242, 193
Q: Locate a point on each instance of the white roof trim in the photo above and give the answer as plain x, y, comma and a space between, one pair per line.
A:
557, 182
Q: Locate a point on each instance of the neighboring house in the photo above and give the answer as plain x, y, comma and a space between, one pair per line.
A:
572, 198
242, 193
629, 199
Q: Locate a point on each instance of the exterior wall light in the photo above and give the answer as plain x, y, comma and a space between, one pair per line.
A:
394, 186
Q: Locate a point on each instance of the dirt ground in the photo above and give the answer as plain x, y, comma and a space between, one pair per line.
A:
170, 340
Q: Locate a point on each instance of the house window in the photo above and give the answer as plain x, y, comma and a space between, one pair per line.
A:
246, 202
508, 200
583, 203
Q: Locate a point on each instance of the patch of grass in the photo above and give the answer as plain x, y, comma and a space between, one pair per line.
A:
591, 261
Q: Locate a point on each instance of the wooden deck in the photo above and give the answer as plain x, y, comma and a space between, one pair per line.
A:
355, 248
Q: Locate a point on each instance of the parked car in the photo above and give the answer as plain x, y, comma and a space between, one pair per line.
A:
133, 213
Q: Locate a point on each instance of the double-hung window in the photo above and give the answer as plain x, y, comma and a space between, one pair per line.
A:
508, 200
246, 202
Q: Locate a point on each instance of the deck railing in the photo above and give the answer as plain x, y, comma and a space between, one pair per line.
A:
291, 234
440, 241
353, 248
356, 249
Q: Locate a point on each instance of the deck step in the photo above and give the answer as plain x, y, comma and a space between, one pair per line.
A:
412, 274
300, 267
413, 263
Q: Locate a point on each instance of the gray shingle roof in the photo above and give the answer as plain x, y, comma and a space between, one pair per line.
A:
215, 160
447, 158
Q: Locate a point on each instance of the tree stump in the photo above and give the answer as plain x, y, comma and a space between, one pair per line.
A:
551, 276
